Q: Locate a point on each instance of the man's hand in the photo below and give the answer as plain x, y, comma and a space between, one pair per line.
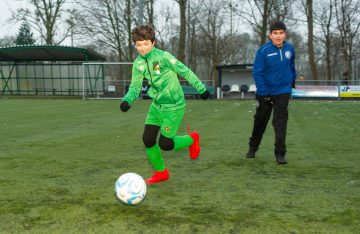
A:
205, 95
124, 106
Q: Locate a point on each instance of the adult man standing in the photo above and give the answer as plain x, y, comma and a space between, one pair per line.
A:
274, 74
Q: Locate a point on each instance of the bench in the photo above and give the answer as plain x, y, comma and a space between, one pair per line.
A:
190, 91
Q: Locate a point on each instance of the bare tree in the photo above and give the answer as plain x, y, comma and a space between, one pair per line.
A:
348, 20
145, 12
192, 26
128, 19
259, 13
108, 23
150, 11
182, 33
302, 65
7, 41
50, 19
324, 17
166, 29
210, 41
308, 7
282, 10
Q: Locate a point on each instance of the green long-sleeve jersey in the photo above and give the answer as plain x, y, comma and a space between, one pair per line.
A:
160, 68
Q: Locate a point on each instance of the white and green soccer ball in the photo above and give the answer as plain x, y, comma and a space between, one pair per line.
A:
130, 188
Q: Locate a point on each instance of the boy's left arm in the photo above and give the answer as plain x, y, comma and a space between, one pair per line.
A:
185, 72
292, 64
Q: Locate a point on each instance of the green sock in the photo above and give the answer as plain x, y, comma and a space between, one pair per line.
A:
155, 158
181, 142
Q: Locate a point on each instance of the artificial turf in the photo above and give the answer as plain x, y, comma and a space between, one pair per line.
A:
59, 160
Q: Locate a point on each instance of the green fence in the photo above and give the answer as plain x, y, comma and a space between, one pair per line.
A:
41, 79
48, 79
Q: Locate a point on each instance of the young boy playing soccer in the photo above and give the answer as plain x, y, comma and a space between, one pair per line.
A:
167, 109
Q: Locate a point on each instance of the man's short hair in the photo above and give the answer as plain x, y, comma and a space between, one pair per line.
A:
143, 32
277, 25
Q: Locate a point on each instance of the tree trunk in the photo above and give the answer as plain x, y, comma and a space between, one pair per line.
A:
128, 26
264, 22
328, 58
348, 24
150, 10
47, 13
182, 36
310, 24
328, 42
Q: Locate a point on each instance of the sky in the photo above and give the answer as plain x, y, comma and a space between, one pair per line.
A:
9, 6
6, 6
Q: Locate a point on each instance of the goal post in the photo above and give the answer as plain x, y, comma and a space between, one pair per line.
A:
105, 80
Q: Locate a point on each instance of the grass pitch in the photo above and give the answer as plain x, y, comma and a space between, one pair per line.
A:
59, 160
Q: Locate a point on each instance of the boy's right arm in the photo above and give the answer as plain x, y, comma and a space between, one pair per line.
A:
258, 74
134, 89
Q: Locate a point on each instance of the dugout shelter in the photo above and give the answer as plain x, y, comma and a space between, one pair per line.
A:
236, 81
47, 70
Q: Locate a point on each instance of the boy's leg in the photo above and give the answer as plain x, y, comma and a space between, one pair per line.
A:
176, 143
161, 173
181, 142
169, 126
154, 154
152, 148
153, 151
279, 122
261, 119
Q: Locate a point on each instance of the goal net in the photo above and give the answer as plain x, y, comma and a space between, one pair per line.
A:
107, 80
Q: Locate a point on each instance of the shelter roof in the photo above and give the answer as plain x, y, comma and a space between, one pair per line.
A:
48, 53
244, 66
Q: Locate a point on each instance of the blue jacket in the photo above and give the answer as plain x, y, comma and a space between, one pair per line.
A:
274, 69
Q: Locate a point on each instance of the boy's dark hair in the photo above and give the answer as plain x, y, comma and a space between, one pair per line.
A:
143, 32
277, 25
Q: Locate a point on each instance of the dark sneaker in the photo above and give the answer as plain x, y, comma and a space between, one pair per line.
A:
281, 160
251, 152
280, 156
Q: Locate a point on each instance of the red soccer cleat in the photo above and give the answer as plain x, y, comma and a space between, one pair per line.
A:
158, 177
195, 147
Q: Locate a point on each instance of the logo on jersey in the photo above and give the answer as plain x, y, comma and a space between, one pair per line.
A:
287, 54
173, 60
167, 129
156, 67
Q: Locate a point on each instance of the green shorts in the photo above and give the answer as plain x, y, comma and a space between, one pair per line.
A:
168, 120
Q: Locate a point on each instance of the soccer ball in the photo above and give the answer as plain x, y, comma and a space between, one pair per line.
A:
130, 188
